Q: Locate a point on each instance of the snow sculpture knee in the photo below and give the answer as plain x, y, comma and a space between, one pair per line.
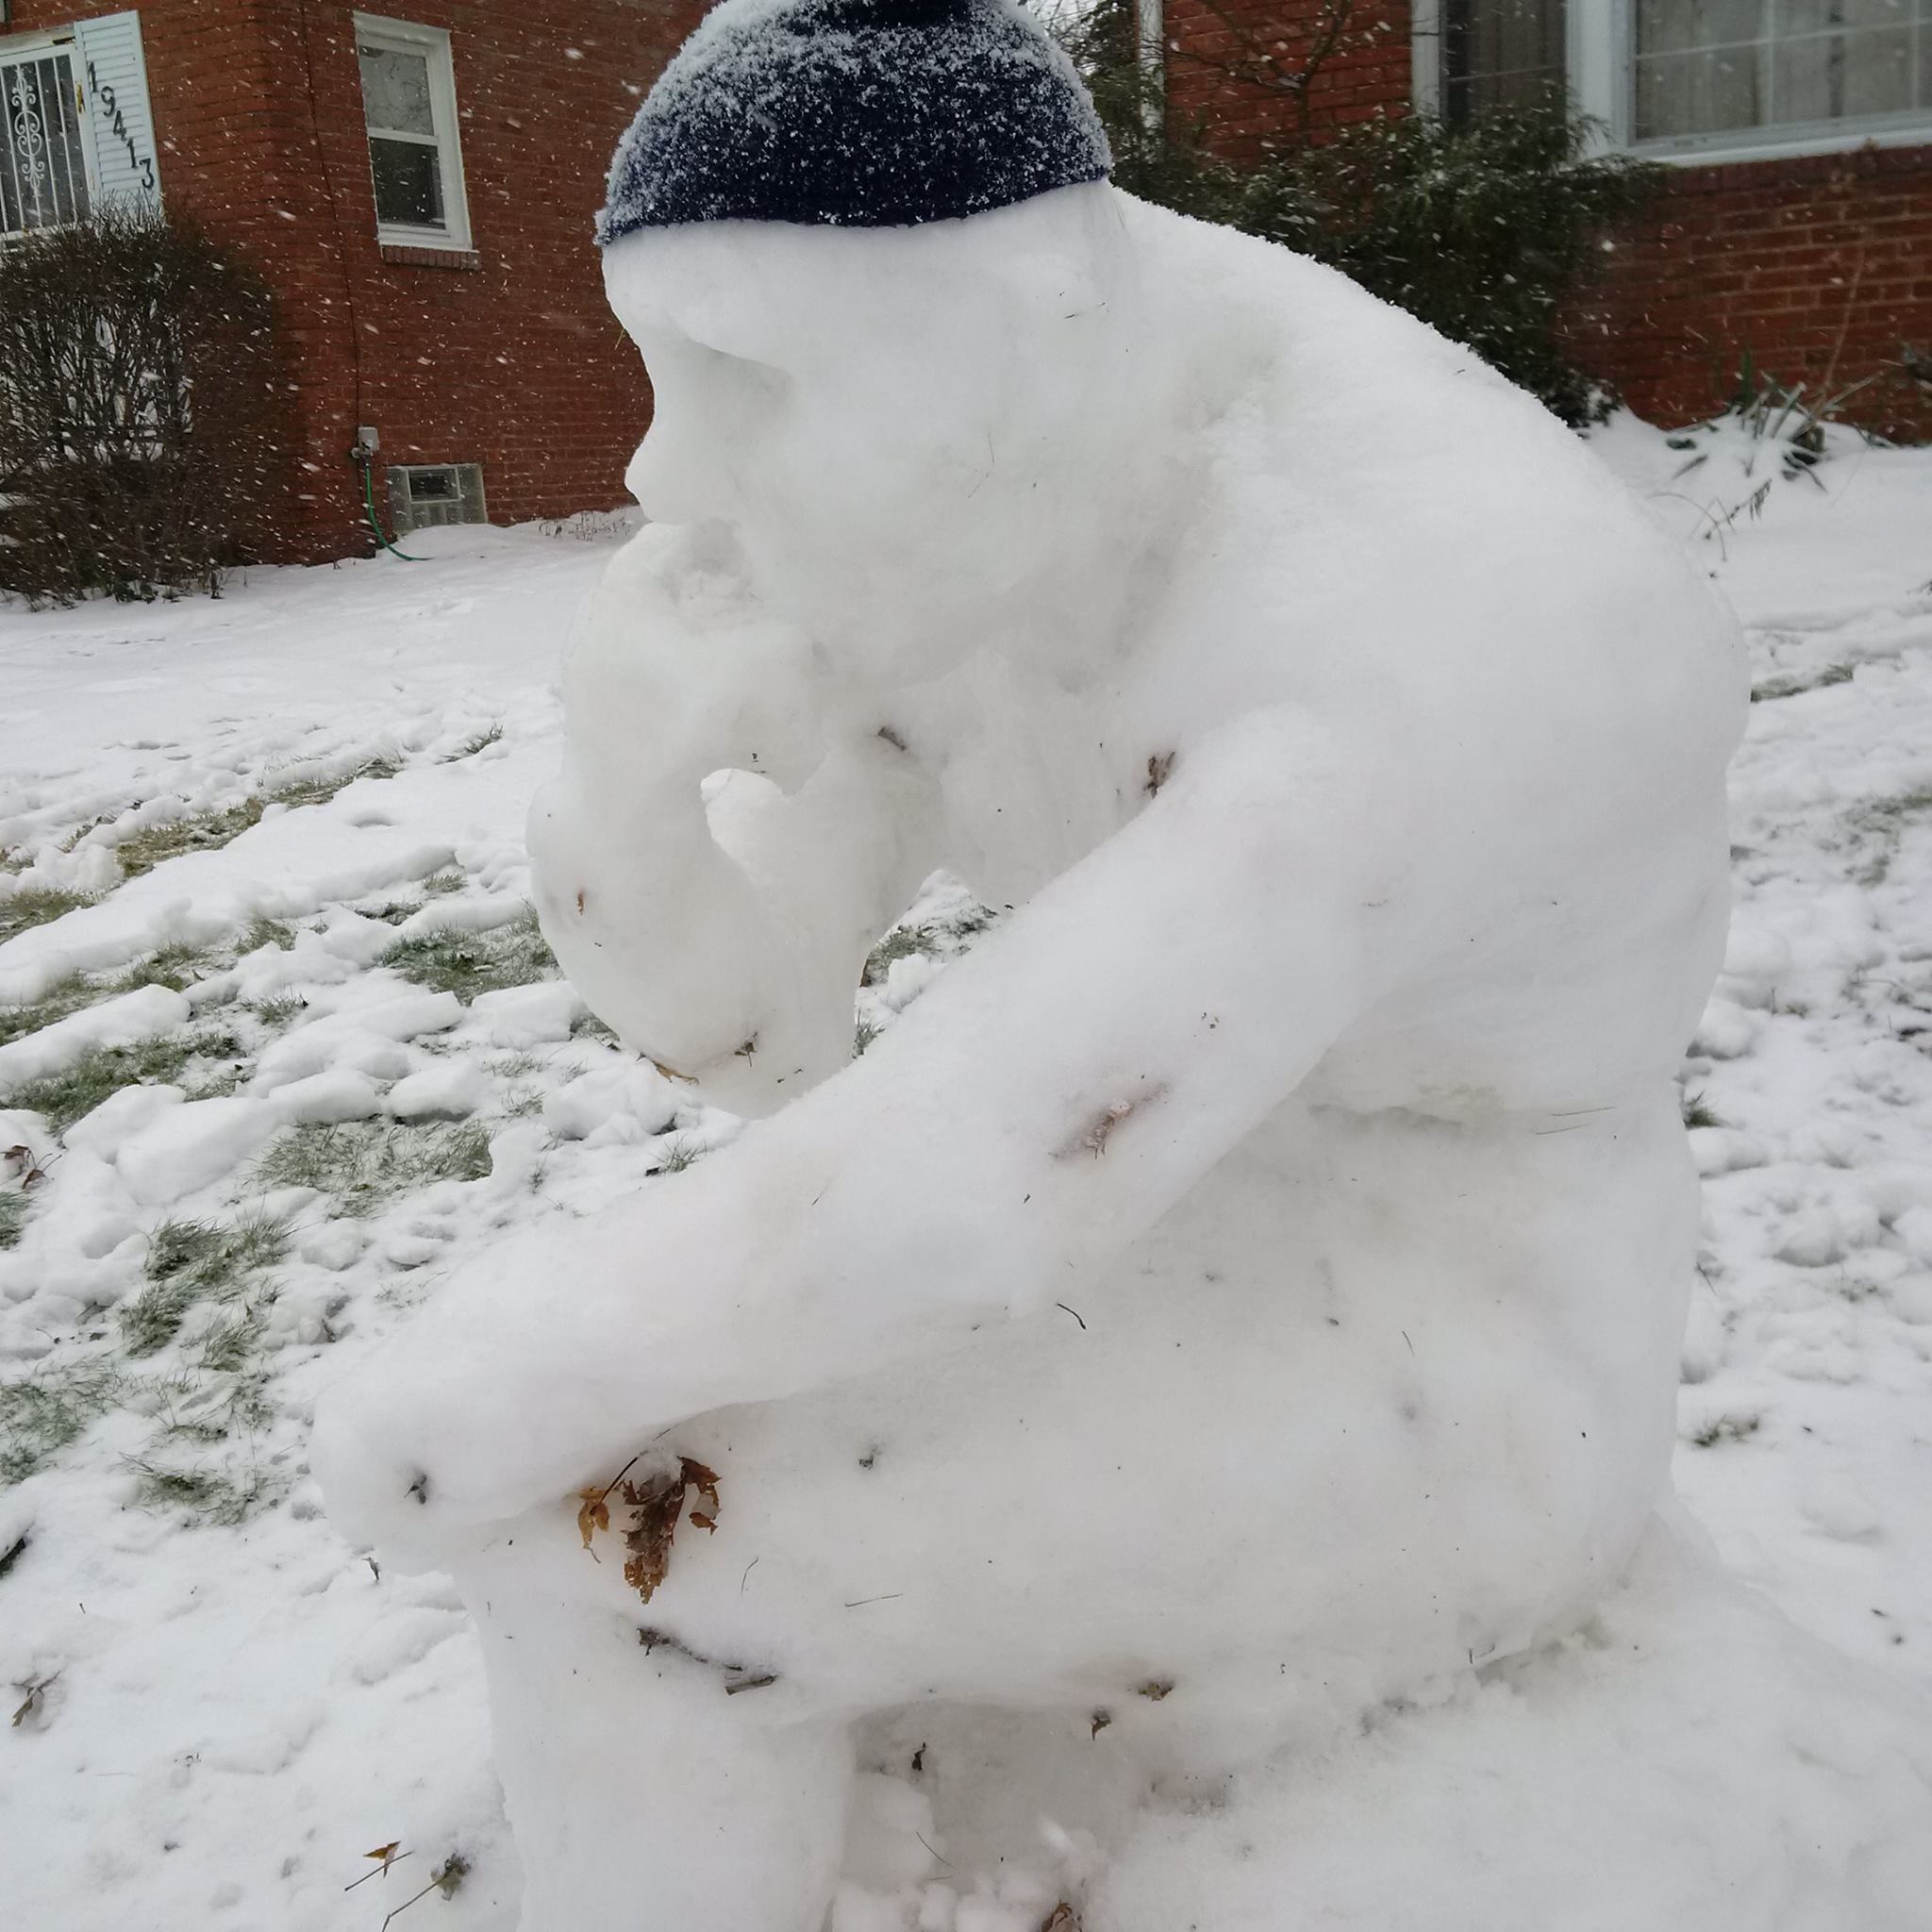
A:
1246, 1287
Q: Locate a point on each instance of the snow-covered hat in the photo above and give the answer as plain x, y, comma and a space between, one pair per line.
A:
854, 113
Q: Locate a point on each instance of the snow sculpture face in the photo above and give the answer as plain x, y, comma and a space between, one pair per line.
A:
880, 415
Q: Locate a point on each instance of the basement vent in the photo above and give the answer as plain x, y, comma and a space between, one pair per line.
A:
421, 494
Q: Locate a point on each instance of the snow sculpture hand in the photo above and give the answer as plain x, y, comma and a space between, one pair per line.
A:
570, 1346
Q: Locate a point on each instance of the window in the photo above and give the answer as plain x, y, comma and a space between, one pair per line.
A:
43, 172
1499, 53
409, 104
1716, 67
1691, 79
421, 495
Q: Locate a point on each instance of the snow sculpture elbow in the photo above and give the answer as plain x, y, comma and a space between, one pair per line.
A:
1349, 752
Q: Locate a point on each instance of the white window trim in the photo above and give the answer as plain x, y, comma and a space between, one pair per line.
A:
18, 48
1603, 85
433, 42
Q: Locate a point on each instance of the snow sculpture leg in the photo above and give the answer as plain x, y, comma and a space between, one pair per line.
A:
641, 1797
1246, 1288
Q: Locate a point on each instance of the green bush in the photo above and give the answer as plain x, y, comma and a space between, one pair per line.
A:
138, 395
1487, 231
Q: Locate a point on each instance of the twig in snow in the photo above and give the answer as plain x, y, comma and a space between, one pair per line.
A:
445, 1878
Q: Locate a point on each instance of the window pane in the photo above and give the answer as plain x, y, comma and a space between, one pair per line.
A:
1820, 16
43, 175
396, 91
1699, 93
1500, 53
1667, 27
408, 183
1877, 73
1827, 76
1709, 66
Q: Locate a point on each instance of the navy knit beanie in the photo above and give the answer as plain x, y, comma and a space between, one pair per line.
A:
854, 113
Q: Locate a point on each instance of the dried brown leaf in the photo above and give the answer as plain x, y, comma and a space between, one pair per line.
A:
653, 1506
594, 1512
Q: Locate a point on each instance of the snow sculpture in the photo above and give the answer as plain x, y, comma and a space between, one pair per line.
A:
1248, 1286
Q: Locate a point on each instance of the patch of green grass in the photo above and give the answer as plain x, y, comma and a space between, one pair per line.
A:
36, 906
439, 885
1882, 822
12, 1219
170, 1061
1696, 1114
900, 943
63, 997
262, 931
223, 1497
43, 1411
316, 790
176, 967
588, 1027
677, 1155
1888, 814
862, 1036
191, 1261
278, 1010
1796, 687
199, 831
471, 746
363, 1164
939, 937
467, 963
1726, 1428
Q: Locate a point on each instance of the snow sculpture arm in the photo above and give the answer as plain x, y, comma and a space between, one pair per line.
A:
699, 932
1048, 1101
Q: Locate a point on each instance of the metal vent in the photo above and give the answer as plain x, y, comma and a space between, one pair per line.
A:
421, 494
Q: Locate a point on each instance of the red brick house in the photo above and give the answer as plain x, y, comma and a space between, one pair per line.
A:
1796, 228
419, 192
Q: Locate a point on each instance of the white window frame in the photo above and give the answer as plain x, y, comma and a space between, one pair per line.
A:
17, 50
406, 37
1601, 53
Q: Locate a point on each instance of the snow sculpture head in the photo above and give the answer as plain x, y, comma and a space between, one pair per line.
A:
881, 286
854, 113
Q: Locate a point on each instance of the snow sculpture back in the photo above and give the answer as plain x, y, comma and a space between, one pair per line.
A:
1247, 1287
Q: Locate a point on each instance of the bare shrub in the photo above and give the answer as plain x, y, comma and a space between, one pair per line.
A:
138, 405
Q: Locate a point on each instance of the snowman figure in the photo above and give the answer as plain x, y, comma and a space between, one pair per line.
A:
1245, 1289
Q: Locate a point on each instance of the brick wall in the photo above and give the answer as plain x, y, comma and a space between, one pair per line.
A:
1819, 268
506, 355
1231, 65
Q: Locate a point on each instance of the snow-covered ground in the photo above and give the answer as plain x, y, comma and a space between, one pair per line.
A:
278, 1045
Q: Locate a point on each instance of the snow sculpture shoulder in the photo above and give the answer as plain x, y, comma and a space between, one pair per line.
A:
1248, 1286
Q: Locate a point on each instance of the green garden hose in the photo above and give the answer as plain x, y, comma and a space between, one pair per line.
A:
368, 470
